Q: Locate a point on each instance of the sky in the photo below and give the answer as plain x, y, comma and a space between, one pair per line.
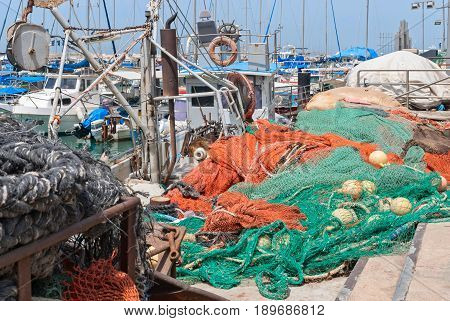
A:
385, 16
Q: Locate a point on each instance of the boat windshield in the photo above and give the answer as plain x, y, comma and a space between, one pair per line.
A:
67, 83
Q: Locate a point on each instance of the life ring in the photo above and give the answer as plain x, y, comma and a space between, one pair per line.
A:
223, 41
247, 92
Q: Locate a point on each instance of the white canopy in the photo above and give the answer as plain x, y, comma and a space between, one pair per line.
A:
393, 82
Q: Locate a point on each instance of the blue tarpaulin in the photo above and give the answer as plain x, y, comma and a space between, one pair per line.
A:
12, 91
71, 67
96, 114
26, 79
359, 53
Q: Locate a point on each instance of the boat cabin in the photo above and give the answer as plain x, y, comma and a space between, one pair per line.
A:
199, 108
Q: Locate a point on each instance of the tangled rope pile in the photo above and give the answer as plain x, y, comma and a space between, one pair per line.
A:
44, 187
306, 201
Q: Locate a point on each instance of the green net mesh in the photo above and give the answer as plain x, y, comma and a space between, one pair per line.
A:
278, 257
353, 209
362, 125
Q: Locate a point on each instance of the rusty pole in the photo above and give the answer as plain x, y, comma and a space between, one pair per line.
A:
170, 84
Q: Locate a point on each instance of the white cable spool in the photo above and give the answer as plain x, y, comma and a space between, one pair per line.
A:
200, 154
29, 46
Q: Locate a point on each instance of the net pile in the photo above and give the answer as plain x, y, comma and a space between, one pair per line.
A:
45, 187
101, 282
287, 193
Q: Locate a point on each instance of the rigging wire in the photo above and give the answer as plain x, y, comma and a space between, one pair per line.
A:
188, 31
337, 33
6, 18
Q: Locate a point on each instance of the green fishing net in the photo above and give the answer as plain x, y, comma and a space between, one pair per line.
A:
277, 257
361, 125
341, 227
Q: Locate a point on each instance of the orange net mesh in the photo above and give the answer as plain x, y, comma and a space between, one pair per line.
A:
439, 163
251, 158
235, 212
101, 282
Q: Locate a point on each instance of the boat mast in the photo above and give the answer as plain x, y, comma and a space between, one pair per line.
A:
303, 28
443, 25
260, 20
194, 26
367, 28
448, 38
88, 20
326, 28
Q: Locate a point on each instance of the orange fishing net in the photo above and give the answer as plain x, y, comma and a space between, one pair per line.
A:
235, 212
439, 163
251, 158
101, 282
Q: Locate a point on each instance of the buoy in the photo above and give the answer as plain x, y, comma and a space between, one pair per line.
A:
443, 186
378, 158
401, 206
265, 242
352, 187
200, 154
346, 216
369, 187
384, 205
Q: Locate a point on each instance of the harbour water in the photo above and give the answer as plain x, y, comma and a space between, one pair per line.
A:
113, 148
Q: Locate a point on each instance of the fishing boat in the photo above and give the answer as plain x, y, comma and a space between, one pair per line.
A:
37, 106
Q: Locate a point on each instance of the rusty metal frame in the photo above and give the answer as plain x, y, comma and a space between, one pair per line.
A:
21, 257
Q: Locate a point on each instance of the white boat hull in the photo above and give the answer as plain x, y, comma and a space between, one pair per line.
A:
40, 118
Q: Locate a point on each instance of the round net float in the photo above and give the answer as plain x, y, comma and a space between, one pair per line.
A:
352, 187
369, 187
401, 206
265, 242
159, 200
200, 154
443, 185
378, 158
384, 205
346, 216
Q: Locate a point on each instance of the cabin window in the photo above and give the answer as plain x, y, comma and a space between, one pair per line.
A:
83, 85
50, 83
68, 84
202, 101
65, 101
65, 83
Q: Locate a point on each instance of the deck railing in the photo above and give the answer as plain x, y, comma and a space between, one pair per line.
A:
409, 86
22, 257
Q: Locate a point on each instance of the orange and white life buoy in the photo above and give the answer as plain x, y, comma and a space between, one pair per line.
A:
217, 57
247, 92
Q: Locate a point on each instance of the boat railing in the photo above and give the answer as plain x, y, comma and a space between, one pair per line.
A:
410, 86
126, 210
292, 96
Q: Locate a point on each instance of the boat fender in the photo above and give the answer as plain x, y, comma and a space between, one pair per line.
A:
247, 92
